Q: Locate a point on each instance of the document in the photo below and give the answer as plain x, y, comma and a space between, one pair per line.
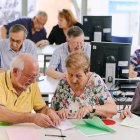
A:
21, 133
2, 135
91, 127
132, 122
65, 125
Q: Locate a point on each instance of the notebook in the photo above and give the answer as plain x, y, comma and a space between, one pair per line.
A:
132, 122
91, 127
21, 133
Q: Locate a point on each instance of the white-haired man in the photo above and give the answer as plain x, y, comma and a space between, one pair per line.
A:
20, 94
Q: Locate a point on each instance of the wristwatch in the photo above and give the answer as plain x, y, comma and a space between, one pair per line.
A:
93, 109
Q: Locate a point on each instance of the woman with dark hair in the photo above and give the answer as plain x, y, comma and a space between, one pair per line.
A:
66, 20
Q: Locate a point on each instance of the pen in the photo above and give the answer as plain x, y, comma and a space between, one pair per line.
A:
55, 135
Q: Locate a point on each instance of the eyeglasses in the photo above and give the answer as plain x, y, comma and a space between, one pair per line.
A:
17, 41
38, 22
77, 45
30, 77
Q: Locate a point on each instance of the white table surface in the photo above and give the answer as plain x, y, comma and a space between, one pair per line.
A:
122, 133
48, 85
47, 50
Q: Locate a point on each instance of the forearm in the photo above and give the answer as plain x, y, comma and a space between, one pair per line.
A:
3, 32
14, 117
55, 74
108, 110
44, 110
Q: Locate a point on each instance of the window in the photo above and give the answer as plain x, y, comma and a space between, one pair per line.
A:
125, 17
9, 10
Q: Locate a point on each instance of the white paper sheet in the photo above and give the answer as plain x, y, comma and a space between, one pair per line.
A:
65, 124
132, 122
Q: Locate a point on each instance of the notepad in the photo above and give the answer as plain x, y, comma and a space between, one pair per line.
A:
2, 135
132, 122
91, 127
65, 125
21, 133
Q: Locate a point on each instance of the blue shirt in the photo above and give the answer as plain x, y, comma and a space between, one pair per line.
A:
7, 54
28, 24
60, 54
135, 61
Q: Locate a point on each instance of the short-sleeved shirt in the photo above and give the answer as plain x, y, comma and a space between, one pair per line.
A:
28, 24
28, 100
135, 60
7, 54
95, 92
60, 54
57, 35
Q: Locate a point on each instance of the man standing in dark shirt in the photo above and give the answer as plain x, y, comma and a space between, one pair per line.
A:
34, 26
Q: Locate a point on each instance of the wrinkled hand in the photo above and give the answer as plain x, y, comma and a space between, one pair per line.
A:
54, 117
63, 113
83, 111
42, 43
132, 73
41, 120
125, 113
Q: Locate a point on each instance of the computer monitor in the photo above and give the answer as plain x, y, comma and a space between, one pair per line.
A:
110, 52
97, 28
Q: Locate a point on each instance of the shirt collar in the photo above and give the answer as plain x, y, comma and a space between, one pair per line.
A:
67, 48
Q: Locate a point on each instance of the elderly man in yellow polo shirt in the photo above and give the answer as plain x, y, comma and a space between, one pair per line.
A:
19, 94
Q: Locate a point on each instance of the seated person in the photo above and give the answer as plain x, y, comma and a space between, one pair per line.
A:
35, 27
20, 94
66, 20
135, 64
135, 106
16, 44
82, 92
75, 41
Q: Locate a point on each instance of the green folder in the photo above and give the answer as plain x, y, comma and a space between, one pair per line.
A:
91, 127
4, 124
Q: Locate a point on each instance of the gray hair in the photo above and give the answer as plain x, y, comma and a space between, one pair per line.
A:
74, 31
42, 13
20, 60
17, 28
18, 63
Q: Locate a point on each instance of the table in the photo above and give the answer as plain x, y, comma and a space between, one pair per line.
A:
47, 50
122, 133
47, 86
45, 54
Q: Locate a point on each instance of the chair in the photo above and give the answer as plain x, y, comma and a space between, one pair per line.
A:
122, 39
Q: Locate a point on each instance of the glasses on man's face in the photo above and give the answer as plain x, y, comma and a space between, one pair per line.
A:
16, 41
39, 23
77, 45
31, 77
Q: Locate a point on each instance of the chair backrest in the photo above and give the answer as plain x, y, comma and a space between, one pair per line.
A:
122, 39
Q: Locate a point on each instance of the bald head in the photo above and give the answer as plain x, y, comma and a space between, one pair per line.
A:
23, 62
